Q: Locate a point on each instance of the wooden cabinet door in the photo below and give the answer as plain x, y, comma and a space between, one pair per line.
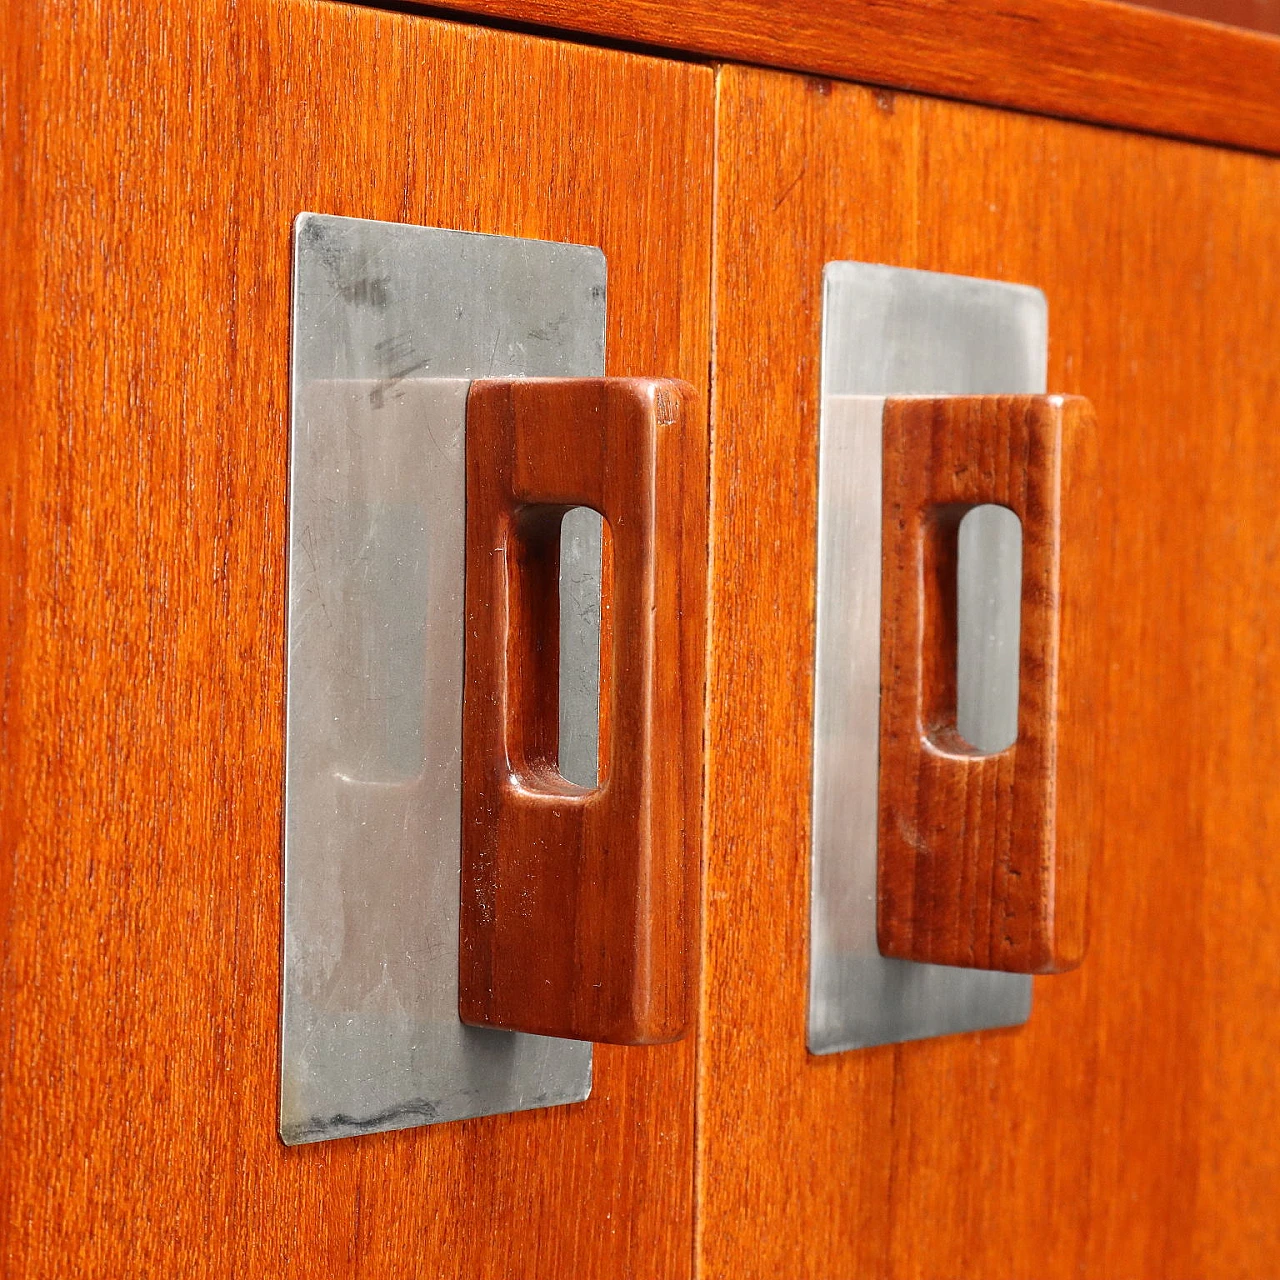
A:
1130, 1128
156, 156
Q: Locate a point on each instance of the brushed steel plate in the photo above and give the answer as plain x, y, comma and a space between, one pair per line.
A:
390, 323
888, 331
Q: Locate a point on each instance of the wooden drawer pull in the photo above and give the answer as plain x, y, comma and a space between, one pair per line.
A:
983, 859
579, 906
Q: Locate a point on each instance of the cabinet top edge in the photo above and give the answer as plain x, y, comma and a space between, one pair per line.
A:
1098, 61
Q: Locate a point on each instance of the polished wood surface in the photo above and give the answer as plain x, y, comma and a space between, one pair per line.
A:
1118, 64
1126, 1130
167, 150
1256, 15
983, 858
580, 905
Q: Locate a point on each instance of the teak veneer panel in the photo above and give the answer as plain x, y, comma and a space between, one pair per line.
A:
1118, 64
161, 153
579, 911
1128, 1128
975, 868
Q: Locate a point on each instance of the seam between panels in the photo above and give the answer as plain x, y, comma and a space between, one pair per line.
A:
699, 1107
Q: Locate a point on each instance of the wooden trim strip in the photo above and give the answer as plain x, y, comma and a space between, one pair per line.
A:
1094, 60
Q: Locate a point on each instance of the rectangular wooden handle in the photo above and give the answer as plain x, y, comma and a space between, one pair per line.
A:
983, 858
579, 906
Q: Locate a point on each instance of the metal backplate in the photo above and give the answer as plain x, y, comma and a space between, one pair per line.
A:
390, 323
887, 332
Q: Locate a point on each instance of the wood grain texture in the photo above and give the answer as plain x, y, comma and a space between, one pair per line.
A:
975, 868
1125, 1131
167, 149
1116, 64
580, 905
18, 246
